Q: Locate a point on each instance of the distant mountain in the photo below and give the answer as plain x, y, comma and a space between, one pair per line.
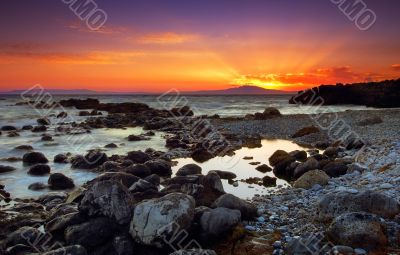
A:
52, 91
242, 90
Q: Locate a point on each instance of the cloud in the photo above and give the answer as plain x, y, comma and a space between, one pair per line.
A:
106, 29
166, 38
396, 67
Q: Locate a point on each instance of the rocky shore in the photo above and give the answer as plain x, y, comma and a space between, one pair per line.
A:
344, 198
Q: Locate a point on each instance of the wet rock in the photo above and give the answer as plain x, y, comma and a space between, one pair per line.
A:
90, 234
39, 129
27, 127
138, 157
84, 113
225, 175
361, 230
282, 161
24, 235
62, 115
159, 167
194, 252
332, 205
43, 121
331, 152
125, 179
157, 219
155, 179
374, 120
24, 148
6, 169
39, 170
8, 128
123, 245
264, 168
270, 112
278, 156
46, 138
111, 146
60, 159
135, 138
299, 155
182, 112
110, 199
58, 225
18, 249
248, 210
37, 186
32, 158
322, 145
91, 160
216, 223
139, 170
110, 166
268, 181
58, 181
68, 250
189, 169
201, 155
306, 131
310, 164
142, 185
13, 134
335, 169
311, 178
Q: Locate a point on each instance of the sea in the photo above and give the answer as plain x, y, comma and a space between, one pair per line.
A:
15, 114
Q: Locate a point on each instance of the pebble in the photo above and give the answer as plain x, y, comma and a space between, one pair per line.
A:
261, 219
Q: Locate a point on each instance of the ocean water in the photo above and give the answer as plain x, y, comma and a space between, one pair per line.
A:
17, 182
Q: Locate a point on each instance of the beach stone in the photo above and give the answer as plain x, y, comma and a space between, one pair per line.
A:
299, 155
311, 178
355, 167
307, 244
284, 169
194, 252
201, 155
38, 129
6, 169
310, 164
278, 156
58, 181
43, 121
139, 157
321, 145
248, 210
331, 152
139, 170
25, 235
62, 115
386, 186
160, 218
189, 169
135, 138
155, 179
225, 175
335, 169
27, 127
91, 160
24, 148
142, 185
32, 158
58, 224
90, 234
39, 170
47, 138
358, 229
110, 199
306, 131
370, 121
269, 181
159, 167
334, 204
342, 249
125, 179
264, 168
37, 186
60, 159
111, 146
8, 128
217, 222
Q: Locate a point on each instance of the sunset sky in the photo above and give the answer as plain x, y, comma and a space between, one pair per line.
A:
156, 45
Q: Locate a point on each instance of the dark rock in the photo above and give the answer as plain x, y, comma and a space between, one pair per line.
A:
58, 181
299, 155
47, 138
322, 145
142, 185
110, 199
68, 250
216, 223
182, 112
58, 225
38, 129
306, 131
225, 175
134, 138
335, 169
331, 152
62, 115
89, 103
268, 113
13, 134
248, 210
264, 168
189, 169
19, 249
138, 157
123, 245
111, 146
155, 179
37, 186
139, 170
43, 121
310, 164
39, 170
24, 235
201, 155
370, 121
6, 169
159, 167
269, 181
125, 179
61, 159
277, 157
27, 127
194, 252
91, 160
283, 169
24, 148
8, 128
32, 158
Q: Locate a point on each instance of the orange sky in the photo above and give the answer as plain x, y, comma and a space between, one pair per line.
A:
128, 57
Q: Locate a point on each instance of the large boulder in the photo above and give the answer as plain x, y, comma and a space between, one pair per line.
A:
333, 205
157, 219
139, 170
217, 222
248, 210
361, 230
33, 158
201, 155
189, 169
125, 179
299, 155
90, 234
311, 178
139, 157
335, 169
110, 199
310, 164
91, 160
277, 157
58, 181
39, 169
225, 175
159, 167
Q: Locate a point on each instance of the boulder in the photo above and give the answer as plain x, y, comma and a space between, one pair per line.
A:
155, 179
374, 120
58, 181
39, 170
91, 160
225, 175
142, 185
299, 155
216, 223
310, 164
201, 155
43, 121
6, 169
268, 181
125, 179
24, 148
306, 131
37, 186
135, 138
361, 230
283, 169
24, 235
33, 158
90, 234
123, 245
159, 167
157, 219
331, 152
278, 156
60, 223
139, 170
110, 199
38, 129
138, 157
189, 169
332, 205
8, 128
47, 138
111, 146
248, 210
264, 168
335, 169
311, 178
60, 159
